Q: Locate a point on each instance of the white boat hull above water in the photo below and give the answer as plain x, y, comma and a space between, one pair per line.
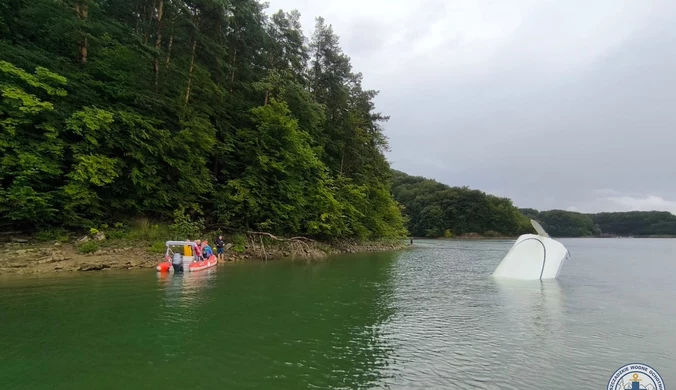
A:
533, 257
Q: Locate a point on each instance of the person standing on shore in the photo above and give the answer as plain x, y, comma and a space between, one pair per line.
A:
220, 248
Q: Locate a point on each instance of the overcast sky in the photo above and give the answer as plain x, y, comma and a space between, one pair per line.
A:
564, 104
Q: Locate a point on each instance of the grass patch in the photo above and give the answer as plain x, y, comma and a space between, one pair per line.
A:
88, 247
56, 234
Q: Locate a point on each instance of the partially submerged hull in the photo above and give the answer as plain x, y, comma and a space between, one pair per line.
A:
533, 257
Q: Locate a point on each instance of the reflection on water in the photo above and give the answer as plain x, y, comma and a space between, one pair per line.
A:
181, 313
534, 306
533, 328
184, 288
184, 294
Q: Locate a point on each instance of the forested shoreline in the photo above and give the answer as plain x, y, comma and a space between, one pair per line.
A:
435, 209
214, 111
565, 223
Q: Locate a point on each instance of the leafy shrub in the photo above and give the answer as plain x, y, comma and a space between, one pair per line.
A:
93, 231
491, 233
448, 233
158, 247
158, 232
184, 227
88, 247
142, 229
239, 243
59, 234
116, 234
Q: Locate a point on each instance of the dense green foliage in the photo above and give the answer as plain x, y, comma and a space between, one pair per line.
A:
114, 109
436, 210
633, 223
637, 223
560, 223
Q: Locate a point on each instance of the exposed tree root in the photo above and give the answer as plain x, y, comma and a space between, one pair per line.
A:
299, 240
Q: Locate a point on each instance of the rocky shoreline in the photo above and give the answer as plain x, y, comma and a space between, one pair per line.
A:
32, 258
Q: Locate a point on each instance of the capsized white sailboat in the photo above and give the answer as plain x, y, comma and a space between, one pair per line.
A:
533, 257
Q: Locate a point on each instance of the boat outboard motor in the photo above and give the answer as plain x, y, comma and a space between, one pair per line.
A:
177, 262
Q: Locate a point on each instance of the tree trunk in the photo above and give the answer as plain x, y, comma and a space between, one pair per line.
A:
232, 75
84, 53
151, 12
342, 161
82, 10
137, 28
192, 67
267, 94
158, 42
171, 43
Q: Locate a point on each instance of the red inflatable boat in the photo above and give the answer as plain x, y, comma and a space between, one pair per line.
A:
200, 265
166, 265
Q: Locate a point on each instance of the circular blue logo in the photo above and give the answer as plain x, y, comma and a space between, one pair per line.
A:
636, 376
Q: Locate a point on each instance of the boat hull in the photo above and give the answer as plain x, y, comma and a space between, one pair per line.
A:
202, 265
166, 266
532, 257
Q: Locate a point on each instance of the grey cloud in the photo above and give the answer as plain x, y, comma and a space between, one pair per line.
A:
365, 37
418, 23
548, 143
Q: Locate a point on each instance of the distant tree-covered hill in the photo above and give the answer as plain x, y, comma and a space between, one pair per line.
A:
561, 223
632, 223
435, 209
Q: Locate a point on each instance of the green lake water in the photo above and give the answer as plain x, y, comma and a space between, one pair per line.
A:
428, 317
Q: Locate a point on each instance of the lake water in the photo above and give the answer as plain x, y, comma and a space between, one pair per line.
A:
429, 317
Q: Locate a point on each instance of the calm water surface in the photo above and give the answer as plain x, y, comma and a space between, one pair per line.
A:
430, 317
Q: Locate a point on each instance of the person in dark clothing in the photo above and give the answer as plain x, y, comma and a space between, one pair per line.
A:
220, 248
